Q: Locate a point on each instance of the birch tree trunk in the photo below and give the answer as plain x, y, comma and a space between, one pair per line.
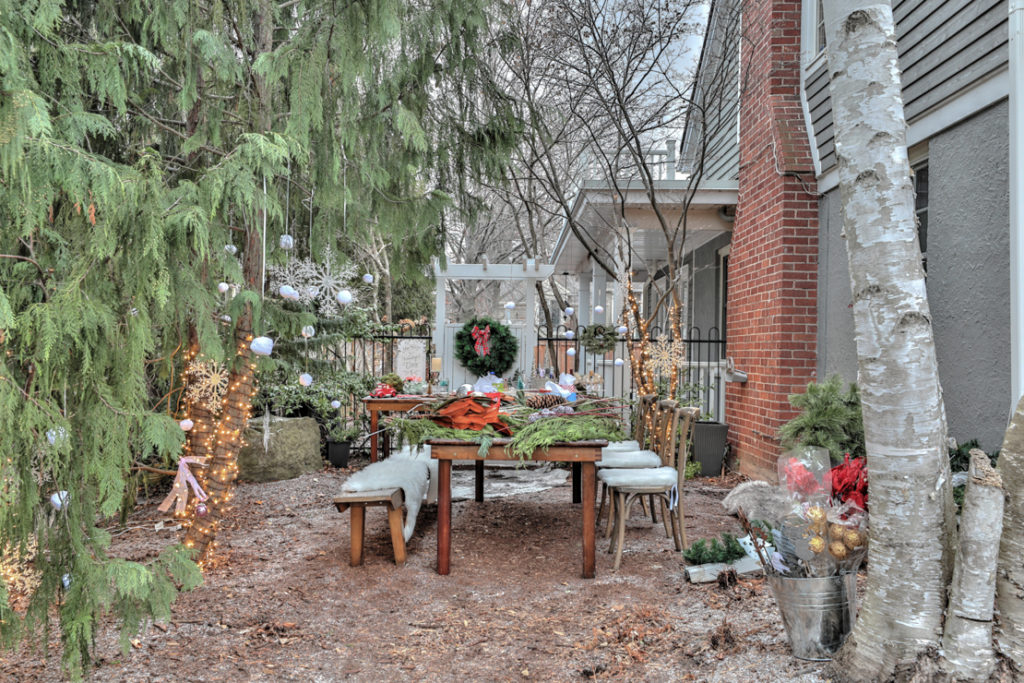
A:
911, 522
1010, 575
967, 640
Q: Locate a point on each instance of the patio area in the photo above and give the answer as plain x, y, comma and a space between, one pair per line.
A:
283, 604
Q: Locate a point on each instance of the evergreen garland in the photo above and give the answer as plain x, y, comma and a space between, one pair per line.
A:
503, 348
598, 339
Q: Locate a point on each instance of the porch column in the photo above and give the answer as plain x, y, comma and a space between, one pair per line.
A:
440, 294
529, 328
583, 304
600, 295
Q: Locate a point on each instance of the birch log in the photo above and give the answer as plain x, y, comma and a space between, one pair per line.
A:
912, 532
967, 639
1010, 577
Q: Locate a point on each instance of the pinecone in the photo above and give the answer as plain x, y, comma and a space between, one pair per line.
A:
539, 401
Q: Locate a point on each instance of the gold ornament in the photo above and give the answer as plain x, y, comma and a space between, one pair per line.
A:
819, 520
838, 550
816, 544
836, 531
854, 538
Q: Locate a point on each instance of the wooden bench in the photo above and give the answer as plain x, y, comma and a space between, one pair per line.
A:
393, 499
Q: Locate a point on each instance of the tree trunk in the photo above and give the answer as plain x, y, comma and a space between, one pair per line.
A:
912, 529
1010, 576
967, 640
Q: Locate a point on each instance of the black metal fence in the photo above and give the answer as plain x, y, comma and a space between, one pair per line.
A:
603, 357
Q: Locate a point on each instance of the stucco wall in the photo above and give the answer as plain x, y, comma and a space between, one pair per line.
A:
968, 277
969, 273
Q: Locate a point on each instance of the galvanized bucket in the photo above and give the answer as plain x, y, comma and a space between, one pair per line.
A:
818, 612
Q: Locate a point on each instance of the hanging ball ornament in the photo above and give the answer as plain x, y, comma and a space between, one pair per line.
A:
569, 334
202, 510
223, 288
186, 424
288, 292
231, 249
66, 580
571, 352
308, 331
344, 297
622, 329
226, 318
619, 362
60, 499
305, 379
599, 309
336, 404
368, 278
55, 435
569, 310
287, 241
509, 305
262, 346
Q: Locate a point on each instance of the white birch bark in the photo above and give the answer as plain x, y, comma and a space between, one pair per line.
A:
967, 639
911, 538
1010, 575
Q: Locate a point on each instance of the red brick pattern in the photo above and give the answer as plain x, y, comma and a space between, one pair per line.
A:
773, 261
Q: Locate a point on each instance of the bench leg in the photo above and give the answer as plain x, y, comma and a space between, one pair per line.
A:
358, 522
397, 534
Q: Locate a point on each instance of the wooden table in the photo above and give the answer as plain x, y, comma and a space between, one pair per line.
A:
397, 404
582, 455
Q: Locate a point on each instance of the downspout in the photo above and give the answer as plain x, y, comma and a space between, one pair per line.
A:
1016, 97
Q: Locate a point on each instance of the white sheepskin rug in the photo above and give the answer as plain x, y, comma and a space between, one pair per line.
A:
410, 475
759, 500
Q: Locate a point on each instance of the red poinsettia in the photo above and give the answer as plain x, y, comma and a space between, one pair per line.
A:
850, 482
799, 479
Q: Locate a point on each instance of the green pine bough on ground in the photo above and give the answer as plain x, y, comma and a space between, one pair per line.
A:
705, 552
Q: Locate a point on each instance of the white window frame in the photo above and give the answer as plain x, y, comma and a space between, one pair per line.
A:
810, 56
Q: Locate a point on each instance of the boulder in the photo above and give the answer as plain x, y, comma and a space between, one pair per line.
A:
292, 448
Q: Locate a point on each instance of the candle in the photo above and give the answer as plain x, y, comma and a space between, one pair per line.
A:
435, 364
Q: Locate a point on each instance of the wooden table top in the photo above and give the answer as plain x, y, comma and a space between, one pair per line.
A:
570, 451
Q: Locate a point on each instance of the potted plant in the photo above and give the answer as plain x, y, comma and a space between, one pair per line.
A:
339, 443
710, 442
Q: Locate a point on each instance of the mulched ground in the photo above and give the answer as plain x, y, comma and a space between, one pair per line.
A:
282, 603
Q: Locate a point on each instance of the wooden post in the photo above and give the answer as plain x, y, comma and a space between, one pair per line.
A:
479, 471
444, 515
589, 499
358, 519
576, 483
374, 420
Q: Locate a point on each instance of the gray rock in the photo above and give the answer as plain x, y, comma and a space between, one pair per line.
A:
293, 448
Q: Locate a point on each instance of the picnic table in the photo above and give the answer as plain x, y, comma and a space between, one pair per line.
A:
582, 455
393, 404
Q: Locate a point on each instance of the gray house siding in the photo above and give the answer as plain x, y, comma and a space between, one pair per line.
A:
968, 277
945, 46
705, 301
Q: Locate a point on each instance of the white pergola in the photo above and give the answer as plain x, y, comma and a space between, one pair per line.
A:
529, 272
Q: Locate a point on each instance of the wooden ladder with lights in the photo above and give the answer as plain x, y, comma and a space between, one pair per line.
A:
394, 500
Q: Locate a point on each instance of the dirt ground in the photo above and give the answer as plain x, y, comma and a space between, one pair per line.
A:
283, 604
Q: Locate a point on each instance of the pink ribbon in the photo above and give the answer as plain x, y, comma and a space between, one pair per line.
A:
481, 340
182, 480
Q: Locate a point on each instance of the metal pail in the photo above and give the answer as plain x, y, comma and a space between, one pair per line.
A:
818, 612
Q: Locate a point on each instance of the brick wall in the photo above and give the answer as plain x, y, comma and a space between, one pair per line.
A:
773, 268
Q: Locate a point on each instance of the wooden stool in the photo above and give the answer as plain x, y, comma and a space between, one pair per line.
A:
394, 500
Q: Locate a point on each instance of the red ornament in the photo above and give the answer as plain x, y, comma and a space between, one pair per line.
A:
202, 510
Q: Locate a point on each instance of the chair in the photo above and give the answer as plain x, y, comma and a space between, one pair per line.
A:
632, 454
665, 482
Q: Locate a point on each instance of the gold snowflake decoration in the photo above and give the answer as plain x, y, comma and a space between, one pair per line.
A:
207, 383
664, 356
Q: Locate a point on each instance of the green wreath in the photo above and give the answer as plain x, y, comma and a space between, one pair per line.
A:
598, 339
502, 348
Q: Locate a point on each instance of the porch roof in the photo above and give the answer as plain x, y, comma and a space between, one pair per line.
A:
598, 212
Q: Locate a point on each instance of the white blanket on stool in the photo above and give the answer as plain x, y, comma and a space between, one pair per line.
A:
422, 453
410, 475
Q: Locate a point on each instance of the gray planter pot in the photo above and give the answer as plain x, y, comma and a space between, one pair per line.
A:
710, 440
818, 612
337, 453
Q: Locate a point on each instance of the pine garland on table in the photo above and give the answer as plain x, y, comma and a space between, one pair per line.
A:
499, 352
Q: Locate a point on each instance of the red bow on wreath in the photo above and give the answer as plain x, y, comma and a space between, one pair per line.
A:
482, 340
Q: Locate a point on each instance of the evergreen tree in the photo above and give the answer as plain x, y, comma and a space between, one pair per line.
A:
138, 141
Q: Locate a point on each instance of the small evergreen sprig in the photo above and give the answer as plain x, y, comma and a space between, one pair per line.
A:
704, 552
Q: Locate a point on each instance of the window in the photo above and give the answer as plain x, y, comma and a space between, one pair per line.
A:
920, 172
819, 27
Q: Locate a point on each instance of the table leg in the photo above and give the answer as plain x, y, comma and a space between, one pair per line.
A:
589, 476
575, 483
479, 480
374, 420
385, 445
444, 515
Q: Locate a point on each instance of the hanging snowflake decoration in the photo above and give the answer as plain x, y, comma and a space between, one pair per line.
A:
664, 356
207, 383
317, 284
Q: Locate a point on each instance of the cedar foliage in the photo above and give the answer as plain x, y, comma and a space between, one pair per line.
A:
137, 139
829, 417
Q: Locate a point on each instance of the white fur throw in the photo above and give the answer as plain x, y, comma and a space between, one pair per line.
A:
410, 475
648, 477
629, 459
422, 453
